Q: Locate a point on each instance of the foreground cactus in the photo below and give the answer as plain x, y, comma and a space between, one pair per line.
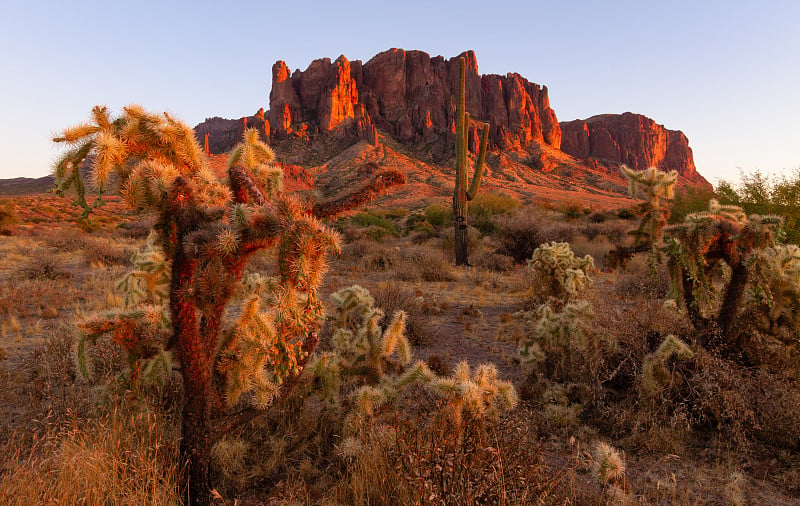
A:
696, 247
776, 284
368, 369
461, 194
206, 230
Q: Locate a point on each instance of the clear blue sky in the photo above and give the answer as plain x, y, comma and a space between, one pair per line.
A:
727, 73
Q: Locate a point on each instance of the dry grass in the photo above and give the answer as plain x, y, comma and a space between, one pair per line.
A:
715, 432
120, 458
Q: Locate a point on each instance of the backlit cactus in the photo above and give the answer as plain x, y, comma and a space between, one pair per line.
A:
655, 373
695, 249
561, 273
658, 187
368, 369
462, 194
182, 284
775, 287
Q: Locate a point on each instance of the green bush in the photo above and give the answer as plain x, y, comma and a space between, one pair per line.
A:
378, 226
439, 215
485, 206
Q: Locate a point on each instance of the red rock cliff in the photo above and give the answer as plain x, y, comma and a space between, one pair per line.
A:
632, 139
411, 96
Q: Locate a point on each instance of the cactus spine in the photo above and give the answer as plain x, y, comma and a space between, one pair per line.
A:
461, 195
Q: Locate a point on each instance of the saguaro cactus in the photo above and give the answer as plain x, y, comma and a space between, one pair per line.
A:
461, 195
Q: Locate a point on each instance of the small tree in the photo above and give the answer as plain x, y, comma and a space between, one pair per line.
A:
462, 194
178, 294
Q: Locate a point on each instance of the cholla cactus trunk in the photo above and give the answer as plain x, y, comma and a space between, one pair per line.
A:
462, 194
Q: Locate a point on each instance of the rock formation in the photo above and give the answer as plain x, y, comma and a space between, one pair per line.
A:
409, 95
632, 139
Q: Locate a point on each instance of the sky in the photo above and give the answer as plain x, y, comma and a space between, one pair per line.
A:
726, 73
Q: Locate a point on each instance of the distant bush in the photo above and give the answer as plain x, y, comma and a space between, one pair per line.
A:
689, 200
439, 215
574, 210
757, 194
8, 217
520, 233
379, 225
486, 206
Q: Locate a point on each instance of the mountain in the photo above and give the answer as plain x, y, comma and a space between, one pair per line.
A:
405, 102
632, 139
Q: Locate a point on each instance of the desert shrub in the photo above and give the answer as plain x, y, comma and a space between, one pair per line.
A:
371, 256
519, 234
574, 210
8, 217
493, 261
425, 264
627, 213
439, 216
370, 219
486, 206
614, 231
43, 266
392, 297
66, 240
105, 252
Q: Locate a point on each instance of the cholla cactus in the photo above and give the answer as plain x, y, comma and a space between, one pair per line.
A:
658, 187
696, 247
206, 230
368, 369
553, 334
655, 374
478, 394
776, 283
563, 275
607, 464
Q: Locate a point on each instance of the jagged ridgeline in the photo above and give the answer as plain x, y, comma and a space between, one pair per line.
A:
410, 98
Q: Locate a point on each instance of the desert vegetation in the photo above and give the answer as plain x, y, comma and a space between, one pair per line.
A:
199, 352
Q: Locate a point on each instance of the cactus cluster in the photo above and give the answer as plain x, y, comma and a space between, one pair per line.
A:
775, 288
178, 294
696, 248
562, 274
655, 371
557, 336
370, 367
462, 194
